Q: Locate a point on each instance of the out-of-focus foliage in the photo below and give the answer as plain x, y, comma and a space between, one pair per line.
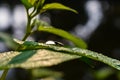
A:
8, 40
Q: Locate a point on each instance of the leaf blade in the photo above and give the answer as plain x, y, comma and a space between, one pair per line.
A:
56, 6
77, 41
48, 55
8, 40
27, 4
42, 58
84, 52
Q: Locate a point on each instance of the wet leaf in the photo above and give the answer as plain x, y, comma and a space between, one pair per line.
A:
34, 55
33, 58
80, 52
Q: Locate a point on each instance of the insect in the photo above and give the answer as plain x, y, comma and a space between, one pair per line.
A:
54, 43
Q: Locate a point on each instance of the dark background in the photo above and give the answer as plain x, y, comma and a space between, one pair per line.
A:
104, 39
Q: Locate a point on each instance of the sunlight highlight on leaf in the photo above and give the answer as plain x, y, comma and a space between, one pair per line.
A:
37, 58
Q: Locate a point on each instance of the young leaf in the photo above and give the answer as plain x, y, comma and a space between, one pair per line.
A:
27, 4
56, 6
77, 41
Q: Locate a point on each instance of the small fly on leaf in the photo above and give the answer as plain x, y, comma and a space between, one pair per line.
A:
54, 43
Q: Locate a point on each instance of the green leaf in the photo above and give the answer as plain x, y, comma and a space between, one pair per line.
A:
33, 58
28, 45
103, 73
44, 55
8, 40
77, 41
45, 72
42, 1
27, 4
56, 6
73, 51
33, 2
41, 23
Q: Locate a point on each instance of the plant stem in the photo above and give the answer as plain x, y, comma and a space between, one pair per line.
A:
33, 11
26, 36
4, 74
28, 23
28, 27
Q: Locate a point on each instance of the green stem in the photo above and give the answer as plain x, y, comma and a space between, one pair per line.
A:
4, 74
29, 21
26, 36
28, 27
